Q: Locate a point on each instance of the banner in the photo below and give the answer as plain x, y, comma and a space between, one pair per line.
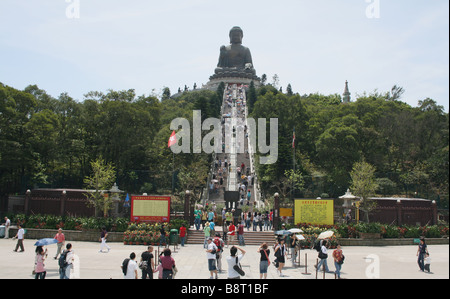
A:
314, 211
150, 209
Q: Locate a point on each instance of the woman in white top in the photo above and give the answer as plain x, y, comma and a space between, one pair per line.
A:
280, 253
132, 268
231, 260
323, 255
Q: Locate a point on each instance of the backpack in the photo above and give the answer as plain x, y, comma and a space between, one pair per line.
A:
238, 268
218, 244
62, 260
125, 266
317, 246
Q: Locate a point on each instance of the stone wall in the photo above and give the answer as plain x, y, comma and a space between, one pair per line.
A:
71, 235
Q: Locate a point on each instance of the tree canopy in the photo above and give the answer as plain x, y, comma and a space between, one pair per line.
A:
51, 142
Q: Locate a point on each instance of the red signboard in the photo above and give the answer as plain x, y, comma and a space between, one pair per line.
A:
150, 208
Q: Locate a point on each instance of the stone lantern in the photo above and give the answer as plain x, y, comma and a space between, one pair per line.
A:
115, 192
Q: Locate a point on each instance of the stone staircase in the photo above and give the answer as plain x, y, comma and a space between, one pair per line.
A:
250, 237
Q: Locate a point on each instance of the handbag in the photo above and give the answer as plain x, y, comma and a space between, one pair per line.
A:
238, 268
143, 265
267, 257
322, 255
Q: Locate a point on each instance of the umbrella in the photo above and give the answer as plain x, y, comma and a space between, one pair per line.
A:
44, 242
283, 232
325, 235
300, 237
295, 230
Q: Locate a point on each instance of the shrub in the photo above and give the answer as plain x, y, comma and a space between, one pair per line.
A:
390, 231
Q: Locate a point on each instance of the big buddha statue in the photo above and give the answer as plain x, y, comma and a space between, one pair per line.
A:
235, 60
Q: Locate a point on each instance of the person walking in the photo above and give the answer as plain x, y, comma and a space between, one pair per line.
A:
255, 221
148, 263
197, 219
225, 233
338, 257
39, 267
234, 260
220, 245
61, 241
168, 264
182, 234
232, 233
162, 239
422, 250
323, 256
266, 221
66, 262
280, 254
204, 218
20, 236
264, 261
241, 233
211, 251
211, 216
7, 224
103, 236
427, 263
248, 220
207, 234
294, 244
129, 267
228, 217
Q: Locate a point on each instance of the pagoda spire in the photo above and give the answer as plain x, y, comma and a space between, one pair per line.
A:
346, 94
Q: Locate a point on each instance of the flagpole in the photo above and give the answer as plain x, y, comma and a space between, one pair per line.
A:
293, 162
173, 173
172, 141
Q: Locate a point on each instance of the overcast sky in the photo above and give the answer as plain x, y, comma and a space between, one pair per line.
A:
77, 46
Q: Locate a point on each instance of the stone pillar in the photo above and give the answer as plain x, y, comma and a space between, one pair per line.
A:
27, 204
399, 212
434, 212
276, 212
63, 203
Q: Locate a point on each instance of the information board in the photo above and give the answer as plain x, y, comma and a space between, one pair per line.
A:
314, 211
150, 208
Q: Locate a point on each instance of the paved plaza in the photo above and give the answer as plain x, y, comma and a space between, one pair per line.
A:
390, 262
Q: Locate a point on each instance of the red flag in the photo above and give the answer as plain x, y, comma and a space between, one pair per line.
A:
172, 139
293, 139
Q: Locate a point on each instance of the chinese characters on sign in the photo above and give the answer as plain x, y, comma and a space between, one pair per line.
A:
150, 208
314, 211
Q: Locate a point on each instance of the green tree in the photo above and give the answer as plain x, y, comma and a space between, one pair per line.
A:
364, 186
102, 179
251, 97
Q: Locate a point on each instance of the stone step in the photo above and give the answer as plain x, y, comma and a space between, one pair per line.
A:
250, 237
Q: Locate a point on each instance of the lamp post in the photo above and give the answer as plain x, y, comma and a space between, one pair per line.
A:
187, 206
276, 211
27, 202
63, 203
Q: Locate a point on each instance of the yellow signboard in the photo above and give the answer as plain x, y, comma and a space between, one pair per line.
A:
314, 211
150, 208
285, 212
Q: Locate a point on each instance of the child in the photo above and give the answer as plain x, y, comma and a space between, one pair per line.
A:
427, 262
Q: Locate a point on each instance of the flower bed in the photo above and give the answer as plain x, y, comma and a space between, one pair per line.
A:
149, 233
368, 230
39, 221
